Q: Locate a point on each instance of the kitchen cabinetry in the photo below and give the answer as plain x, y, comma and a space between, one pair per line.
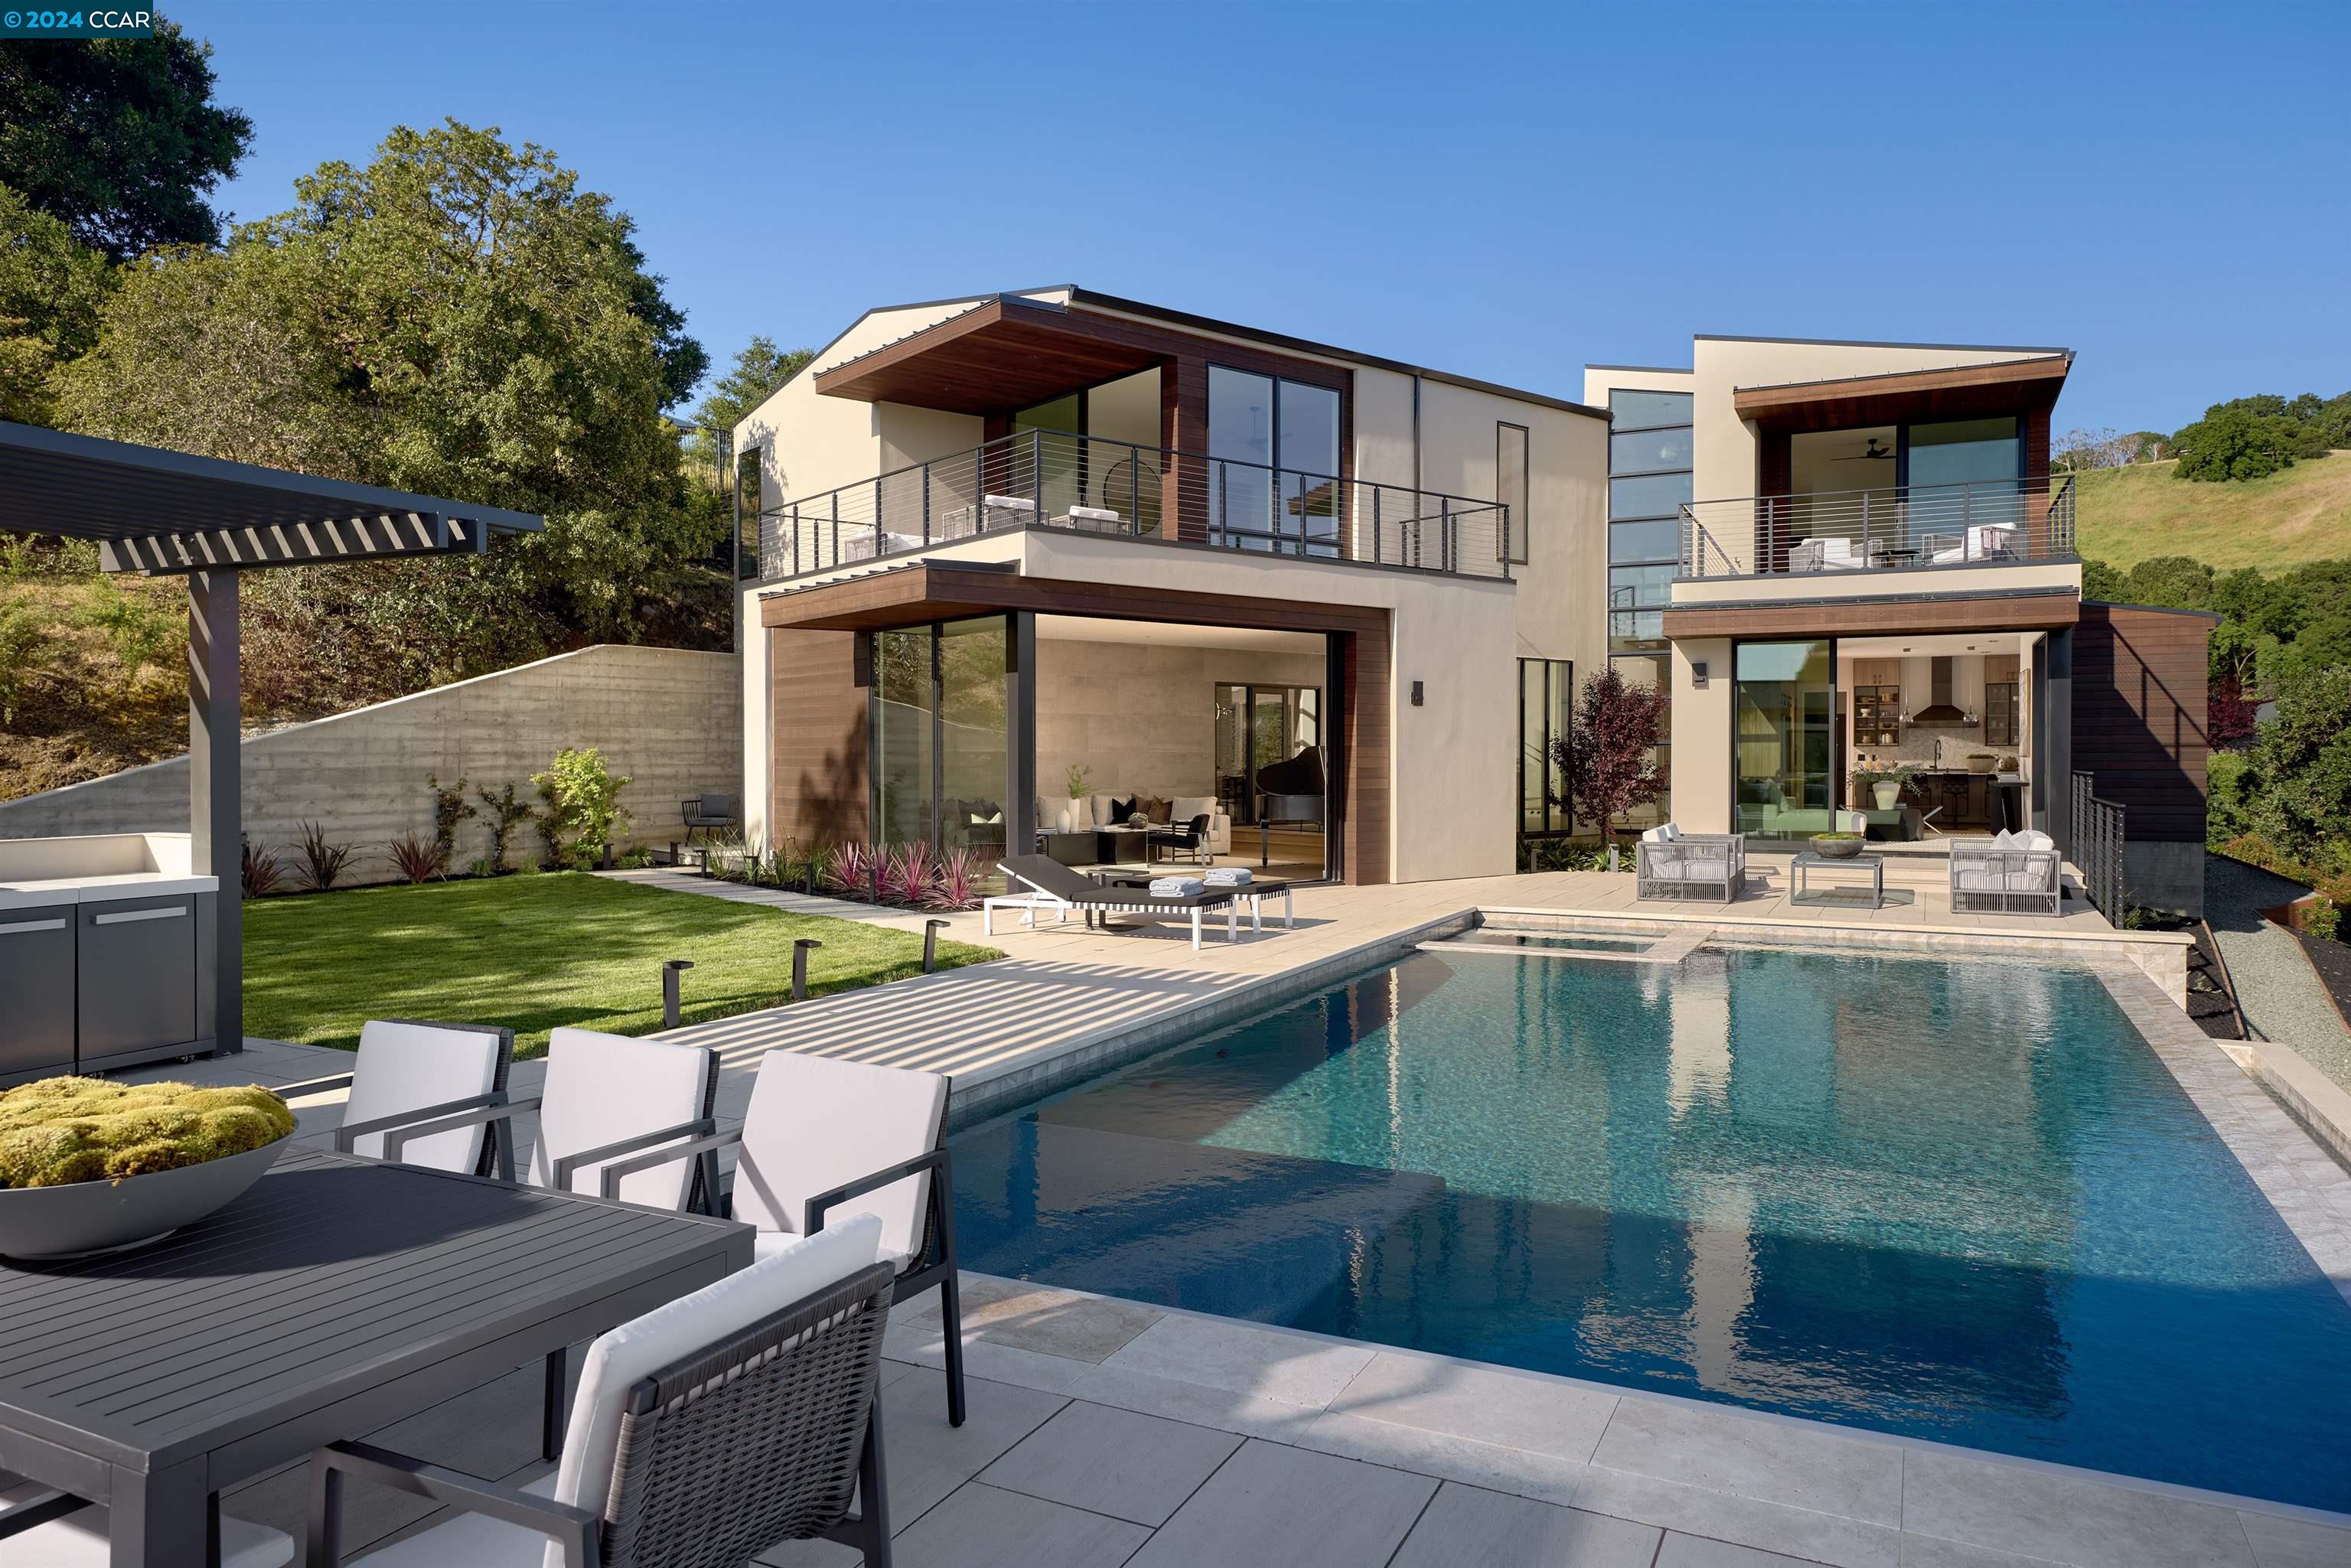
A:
36, 977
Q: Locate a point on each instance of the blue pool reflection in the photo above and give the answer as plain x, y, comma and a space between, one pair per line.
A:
1960, 1201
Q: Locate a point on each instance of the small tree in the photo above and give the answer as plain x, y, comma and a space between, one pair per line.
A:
2230, 715
1607, 759
583, 813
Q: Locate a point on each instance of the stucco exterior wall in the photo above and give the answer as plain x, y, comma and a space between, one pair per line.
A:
665, 716
1701, 737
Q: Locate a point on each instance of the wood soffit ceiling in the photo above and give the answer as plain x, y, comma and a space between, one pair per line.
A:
911, 595
997, 356
1959, 392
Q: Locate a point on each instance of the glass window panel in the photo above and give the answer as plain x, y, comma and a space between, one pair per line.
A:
1635, 410
971, 733
1965, 452
1656, 540
1651, 496
1645, 451
1784, 771
1241, 443
1510, 483
902, 735
1635, 594
1310, 429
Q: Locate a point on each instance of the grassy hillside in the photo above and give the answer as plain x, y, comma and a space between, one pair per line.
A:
2126, 515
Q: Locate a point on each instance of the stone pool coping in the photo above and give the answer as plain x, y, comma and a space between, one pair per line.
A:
1806, 1490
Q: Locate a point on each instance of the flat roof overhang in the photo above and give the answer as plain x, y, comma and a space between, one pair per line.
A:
919, 592
157, 511
1002, 353
1961, 392
1877, 615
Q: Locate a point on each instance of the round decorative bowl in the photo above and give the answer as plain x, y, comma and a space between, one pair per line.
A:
1837, 848
86, 1216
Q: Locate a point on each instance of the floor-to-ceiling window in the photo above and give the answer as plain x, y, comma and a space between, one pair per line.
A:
1650, 448
938, 743
1546, 702
1784, 744
1272, 476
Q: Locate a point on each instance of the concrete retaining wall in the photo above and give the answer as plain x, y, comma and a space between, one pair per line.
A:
666, 716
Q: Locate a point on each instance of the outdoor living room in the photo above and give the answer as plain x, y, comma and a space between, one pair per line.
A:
1178, 749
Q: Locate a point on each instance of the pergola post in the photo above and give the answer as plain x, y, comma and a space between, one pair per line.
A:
216, 812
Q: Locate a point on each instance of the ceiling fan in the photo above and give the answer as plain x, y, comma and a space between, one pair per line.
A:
1873, 454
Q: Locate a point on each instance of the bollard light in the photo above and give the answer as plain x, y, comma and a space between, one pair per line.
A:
931, 929
800, 966
671, 970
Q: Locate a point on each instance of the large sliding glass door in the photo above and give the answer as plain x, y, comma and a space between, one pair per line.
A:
1273, 449
939, 734
1785, 752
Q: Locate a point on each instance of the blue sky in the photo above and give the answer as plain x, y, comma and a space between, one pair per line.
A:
1502, 191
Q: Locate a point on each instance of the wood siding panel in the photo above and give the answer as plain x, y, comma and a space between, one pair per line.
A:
2139, 684
817, 738
911, 595
1370, 756
1860, 618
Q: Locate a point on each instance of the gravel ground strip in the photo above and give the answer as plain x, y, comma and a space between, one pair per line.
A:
2280, 991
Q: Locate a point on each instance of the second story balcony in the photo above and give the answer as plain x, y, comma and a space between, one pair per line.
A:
1892, 527
1036, 478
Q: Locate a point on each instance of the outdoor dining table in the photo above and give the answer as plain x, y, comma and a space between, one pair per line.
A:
337, 1295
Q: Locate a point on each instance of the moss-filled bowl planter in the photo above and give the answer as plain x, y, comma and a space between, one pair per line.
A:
91, 1167
1837, 846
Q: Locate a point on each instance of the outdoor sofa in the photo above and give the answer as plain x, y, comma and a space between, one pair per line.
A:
1670, 863
1051, 887
2008, 873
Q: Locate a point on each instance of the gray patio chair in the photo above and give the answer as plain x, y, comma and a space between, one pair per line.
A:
1670, 863
709, 814
2010, 873
410, 1071
605, 1096
704, 1432
41, 1527
820, 1132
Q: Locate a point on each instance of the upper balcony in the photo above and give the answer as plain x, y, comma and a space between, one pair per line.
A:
1038, 478
1996, 523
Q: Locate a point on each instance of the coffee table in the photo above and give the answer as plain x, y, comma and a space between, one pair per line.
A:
1809, 863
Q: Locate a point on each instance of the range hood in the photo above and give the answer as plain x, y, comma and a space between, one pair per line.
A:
1940, 708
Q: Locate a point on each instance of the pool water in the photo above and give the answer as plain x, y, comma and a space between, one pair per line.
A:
1956, 1201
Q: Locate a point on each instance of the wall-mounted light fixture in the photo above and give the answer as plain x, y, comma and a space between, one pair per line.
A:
1698, 672
1415, 694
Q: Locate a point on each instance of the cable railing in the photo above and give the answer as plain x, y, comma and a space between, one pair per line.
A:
1986, 523
2097, 849
1093, 485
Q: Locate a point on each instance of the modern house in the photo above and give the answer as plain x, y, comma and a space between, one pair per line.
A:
1005, 538
1846, 559
1029, 565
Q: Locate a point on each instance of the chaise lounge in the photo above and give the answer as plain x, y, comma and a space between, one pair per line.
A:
1051, 885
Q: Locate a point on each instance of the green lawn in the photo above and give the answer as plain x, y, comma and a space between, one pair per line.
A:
534, 952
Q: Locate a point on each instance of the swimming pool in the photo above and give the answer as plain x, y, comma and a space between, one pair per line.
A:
1956, 1201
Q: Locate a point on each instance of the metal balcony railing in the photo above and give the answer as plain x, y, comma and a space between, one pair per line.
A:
1898, 526
1115, 489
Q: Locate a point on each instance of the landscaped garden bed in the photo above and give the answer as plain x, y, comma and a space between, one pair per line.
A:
533, 951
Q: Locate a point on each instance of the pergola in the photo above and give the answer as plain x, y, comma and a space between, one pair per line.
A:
169, 513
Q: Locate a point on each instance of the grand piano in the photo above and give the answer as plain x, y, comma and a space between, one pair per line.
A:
1289, 795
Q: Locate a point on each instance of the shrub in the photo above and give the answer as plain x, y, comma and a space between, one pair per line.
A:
483, 866
583, 812
65, 1129
2323, 920
259, 874
506, 814
907, 871
850, 870
24, 651
323, 861
449, 809
956, 878
140, 632
416, 860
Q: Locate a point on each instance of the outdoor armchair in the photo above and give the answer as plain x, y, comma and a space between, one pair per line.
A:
408, 1071
42, 1528
821, 1134
709, 814
1670, 863
2010, 873
703, 1433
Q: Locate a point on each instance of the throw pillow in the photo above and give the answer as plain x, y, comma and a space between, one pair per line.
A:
1122, 810
1157, 810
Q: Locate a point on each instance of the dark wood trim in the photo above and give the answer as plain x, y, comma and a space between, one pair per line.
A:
1370, 757
912, 595
2037, 612
1954, 393
2140, 682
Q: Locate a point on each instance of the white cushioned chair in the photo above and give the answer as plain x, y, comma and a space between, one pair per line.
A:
821, 1134
410, 1071
2008, 873
1670, 863
707, 1431
41, 1527
605, 1096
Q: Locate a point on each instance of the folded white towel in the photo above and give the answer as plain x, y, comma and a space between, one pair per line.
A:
1226, 876
1176, 887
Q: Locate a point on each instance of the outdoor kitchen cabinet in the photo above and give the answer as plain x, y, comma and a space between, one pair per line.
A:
106, 954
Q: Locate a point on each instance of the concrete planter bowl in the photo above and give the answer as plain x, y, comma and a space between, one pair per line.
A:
82, 1217
1837, 848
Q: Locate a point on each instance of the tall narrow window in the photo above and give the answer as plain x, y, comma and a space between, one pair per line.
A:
1546, 701
746, 513
1273, 468
1510, 485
